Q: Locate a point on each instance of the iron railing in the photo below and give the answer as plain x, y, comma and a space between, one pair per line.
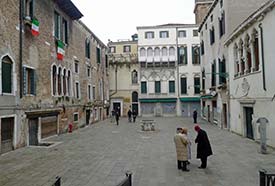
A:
266, 179
127, 181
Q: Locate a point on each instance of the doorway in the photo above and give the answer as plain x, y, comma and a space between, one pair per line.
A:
225, 115
248, 111
7, 127
88, 115
33, 131
117, 107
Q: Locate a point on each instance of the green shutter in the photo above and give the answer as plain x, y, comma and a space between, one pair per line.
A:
143, 88
98, 53
171, 86
24, 81
193, 55
183, 83
6, 77
157, 87
33, 82
197, 85
185, 55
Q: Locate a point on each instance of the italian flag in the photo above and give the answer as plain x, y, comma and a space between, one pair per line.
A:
60, 50
35, 27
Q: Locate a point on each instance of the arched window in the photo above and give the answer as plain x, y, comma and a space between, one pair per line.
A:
59, 80
171, 51
242, 62
183, 55
69, 83
149, 52
54, 75
134, 77
135, 97
142, 52
7, 75
248, 54
64, 82
236, 60
157, 51
164, 51
256, 50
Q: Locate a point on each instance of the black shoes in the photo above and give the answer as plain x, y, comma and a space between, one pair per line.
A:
200, 167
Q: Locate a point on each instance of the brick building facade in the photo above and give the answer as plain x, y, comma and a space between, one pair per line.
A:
41, 94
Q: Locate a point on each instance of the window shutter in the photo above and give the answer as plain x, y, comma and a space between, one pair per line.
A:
185, 55
33, 82
24, 80
6, 77
193, 55
183, 86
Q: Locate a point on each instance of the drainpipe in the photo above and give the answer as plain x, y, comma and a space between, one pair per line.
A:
263, 61
21, 47
178, 76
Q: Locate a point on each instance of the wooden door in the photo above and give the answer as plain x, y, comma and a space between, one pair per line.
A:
7, 127
33, 131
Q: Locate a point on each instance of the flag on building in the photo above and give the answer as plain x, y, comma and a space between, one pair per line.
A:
60, 50
35, 27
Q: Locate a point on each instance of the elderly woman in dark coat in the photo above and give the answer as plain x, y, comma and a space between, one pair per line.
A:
203, 148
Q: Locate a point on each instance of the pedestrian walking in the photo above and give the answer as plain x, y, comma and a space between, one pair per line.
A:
113, 115
185, 131
195, 115
181, 149
203, 146
117, 117
134, 115
129, 115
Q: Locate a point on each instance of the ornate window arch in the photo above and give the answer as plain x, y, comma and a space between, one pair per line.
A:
171, 51
149, 52
157, 51
142, 52
54, 79
7, 75
134, 96
134, 77
59, 81
164, 51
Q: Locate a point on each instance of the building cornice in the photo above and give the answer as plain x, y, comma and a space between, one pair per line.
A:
259, 14
169, 25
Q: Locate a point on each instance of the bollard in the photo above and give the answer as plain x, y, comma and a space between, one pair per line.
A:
262, 177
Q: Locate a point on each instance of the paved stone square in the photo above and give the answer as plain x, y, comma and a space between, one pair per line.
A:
99, 155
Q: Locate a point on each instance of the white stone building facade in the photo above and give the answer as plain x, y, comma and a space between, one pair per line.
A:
251, 56
169, 70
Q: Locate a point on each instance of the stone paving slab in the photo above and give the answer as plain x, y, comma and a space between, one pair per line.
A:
99, 155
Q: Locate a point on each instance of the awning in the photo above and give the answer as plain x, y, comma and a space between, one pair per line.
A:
157, 100
69, 8
190, 99
207, 96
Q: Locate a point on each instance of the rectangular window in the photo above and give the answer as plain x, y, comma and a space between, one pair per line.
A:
89, 92
93, 92
203, 79
87, 49
106, 61
57, 25
127, 48
197, 86
76, 117
88, 71
182, 55
149, 35
195, 33
222, 72
202, 47
213, 82
77, 90
29, 81
76, 67
6, 76
98, 55
222, 25
29, 8
7, 129
182, 33
212, 36
171, 86
163, 34
65, 31
112, 49
196, 55
144, 87
183, 85
157, 87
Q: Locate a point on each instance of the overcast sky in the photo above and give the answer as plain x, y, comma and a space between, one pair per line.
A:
118, 19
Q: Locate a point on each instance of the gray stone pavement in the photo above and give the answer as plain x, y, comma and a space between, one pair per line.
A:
99, 155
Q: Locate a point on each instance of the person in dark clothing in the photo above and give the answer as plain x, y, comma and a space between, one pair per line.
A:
203, 146
195, 115
117, 117
134, 115
129, 115
113, 116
